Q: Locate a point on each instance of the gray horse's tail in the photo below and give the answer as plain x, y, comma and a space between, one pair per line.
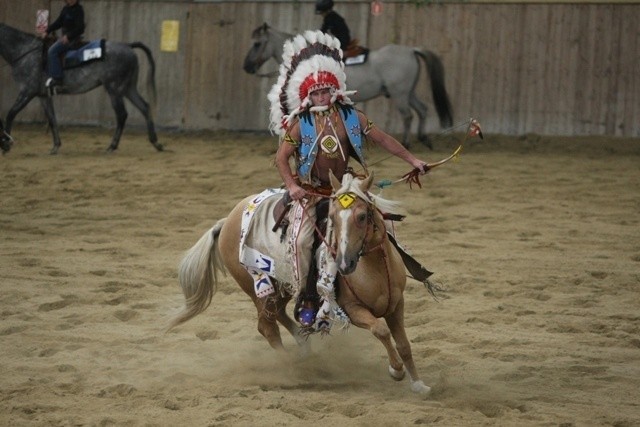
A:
151, 75
198, 275
440, 96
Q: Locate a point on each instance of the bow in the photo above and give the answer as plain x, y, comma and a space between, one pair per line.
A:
413, 177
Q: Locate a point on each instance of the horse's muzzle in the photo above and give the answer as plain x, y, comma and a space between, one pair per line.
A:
249, 68
347, 265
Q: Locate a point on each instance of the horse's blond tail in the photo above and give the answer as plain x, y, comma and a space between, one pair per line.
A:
198, 275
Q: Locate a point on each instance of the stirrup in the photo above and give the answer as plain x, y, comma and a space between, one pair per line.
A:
51, 85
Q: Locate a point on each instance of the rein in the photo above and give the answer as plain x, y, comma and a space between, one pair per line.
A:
12, 63
363, 252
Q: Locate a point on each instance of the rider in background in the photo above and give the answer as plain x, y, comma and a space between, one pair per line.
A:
333, 23
71, 21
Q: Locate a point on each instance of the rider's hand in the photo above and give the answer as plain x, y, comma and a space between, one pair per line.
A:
65, 39
421, 166
296, 192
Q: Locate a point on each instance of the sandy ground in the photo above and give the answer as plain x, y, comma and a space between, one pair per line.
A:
537, 241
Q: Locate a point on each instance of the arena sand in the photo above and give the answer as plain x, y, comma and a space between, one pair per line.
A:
536, 239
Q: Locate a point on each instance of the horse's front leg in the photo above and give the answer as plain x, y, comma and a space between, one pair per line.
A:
395, 321
50, 113
362, 318
23, 99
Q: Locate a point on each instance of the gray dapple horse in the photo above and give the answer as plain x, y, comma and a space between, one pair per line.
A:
117, 72
392, 71
5, 139
369, 288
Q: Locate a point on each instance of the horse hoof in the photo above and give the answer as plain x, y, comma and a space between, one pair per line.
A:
159, 147
396, 374
420, 387
53, 151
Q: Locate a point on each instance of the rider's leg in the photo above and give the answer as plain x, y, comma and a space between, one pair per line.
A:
301, 223
325, 287
54, 65
308, 300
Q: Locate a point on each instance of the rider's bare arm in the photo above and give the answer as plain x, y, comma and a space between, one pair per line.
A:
287, 151
389, 143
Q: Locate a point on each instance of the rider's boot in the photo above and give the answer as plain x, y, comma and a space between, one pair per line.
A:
307, 303
52, 84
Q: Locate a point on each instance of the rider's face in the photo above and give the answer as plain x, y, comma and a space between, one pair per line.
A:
321, 97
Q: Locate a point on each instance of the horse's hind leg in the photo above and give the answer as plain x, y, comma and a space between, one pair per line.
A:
268, 313
421, 110
142, 105
293, 327
407, 117
50, 113
117, 102
268, 308
395, 321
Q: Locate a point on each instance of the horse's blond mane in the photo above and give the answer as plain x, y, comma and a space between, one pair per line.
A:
351, 184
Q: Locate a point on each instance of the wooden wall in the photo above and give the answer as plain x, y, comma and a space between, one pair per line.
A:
518, 67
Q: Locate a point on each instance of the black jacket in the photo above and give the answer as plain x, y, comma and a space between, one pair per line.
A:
71, 20
335, 25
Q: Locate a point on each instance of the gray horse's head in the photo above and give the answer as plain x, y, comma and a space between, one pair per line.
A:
258, 54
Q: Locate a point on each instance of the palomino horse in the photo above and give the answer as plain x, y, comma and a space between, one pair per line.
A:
117, 72
392, 71
370, 284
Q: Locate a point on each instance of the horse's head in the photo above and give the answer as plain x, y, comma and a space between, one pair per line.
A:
353, 218
261, 51
267, 43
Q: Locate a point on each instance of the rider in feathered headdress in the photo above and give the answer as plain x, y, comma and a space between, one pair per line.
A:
310, 62
320, 129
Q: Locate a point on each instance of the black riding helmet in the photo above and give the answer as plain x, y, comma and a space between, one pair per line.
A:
323, 5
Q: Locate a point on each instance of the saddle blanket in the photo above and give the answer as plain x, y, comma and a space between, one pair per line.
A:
92, 51
261, 251
356, 60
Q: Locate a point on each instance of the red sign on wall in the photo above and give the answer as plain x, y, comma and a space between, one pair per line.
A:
376, 8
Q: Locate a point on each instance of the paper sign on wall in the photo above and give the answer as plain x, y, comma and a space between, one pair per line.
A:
42, 21
169, 38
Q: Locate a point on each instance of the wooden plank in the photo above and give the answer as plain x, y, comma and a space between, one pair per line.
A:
519, 67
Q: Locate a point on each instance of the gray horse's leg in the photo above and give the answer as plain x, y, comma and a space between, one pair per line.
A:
407, 117
21, 102
421, 110
50, 113
117, 102
143, 106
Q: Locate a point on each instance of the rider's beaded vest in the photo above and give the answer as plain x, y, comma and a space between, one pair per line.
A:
308, 149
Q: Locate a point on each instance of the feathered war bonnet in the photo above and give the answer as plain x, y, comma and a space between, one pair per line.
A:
310, 61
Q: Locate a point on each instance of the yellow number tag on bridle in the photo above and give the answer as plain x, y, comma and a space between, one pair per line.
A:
346, 199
